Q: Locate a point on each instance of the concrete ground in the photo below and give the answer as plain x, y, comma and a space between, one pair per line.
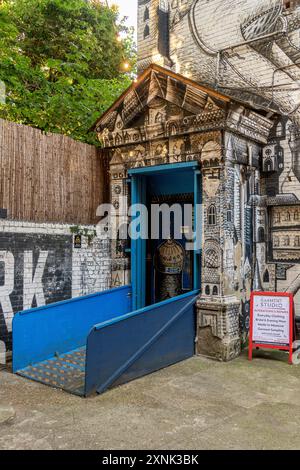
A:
198, 404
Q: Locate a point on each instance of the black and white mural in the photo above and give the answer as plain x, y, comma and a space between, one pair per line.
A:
249, 50
41, 264
35, 270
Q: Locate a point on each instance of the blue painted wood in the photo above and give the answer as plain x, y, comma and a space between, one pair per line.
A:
143, 253
134, 246
138, 248
41, 333
139, 343
197, 229
176, 182
167, 179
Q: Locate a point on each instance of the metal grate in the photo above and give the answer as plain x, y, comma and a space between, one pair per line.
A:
66, 372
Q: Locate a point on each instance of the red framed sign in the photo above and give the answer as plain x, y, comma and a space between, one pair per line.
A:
271, 322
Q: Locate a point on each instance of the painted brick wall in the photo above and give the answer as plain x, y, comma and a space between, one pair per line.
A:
147, 50
40, 265
216, 42
248, 49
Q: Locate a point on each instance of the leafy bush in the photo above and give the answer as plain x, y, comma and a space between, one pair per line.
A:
61, 63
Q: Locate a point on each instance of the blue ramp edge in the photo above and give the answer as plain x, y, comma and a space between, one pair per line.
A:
48, 332
141, 342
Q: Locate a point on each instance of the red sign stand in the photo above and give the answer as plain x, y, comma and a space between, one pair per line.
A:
288, 313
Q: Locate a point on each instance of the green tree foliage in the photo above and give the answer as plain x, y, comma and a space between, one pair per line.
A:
61, 63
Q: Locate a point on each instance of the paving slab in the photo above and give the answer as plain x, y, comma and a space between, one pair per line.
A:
7, 414
197, 404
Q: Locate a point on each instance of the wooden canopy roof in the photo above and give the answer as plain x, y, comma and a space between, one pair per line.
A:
158, 81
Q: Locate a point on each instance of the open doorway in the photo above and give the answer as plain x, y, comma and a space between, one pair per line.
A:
167, 262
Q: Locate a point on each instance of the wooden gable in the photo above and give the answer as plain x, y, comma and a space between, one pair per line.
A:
157, 83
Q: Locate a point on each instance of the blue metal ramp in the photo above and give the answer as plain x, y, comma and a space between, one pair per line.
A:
140, 343
92, 343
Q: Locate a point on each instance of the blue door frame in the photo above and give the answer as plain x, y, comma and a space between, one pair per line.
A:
138, 246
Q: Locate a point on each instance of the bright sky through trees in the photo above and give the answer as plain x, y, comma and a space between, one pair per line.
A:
127, 8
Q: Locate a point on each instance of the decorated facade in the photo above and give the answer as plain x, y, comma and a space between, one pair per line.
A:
223, 93
167, 121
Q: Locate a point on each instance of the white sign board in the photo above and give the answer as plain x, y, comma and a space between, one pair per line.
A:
271, 320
